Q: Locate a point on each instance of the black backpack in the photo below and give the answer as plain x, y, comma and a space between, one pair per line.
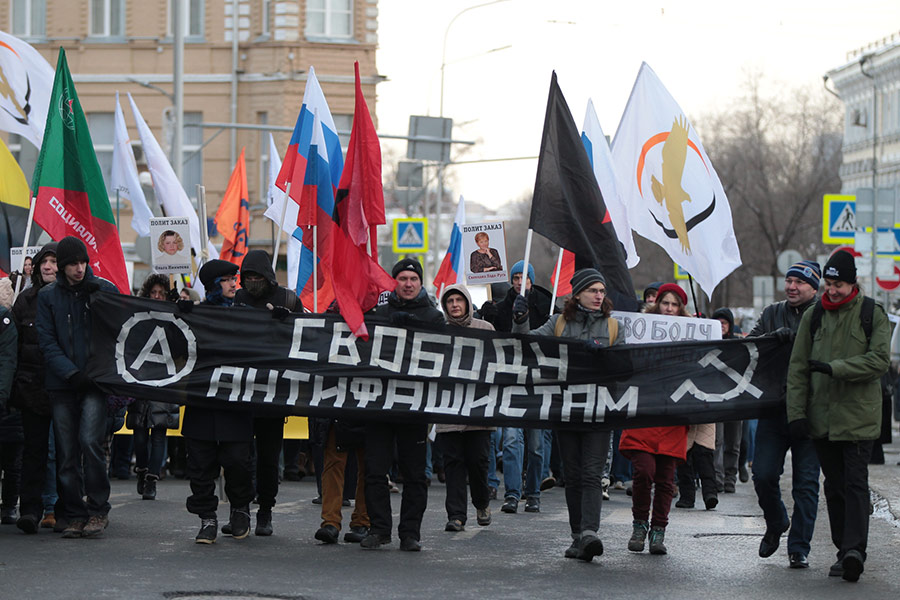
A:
865, 317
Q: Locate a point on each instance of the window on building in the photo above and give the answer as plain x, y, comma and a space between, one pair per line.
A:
107, 18
329, 18
192, 174
266, 24
192, 15
29, 18
102, 126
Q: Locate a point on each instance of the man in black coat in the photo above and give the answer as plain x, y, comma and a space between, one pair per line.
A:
218, 438
408, 303
260, 289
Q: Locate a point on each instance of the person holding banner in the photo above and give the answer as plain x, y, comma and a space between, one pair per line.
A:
218, 439
654, 453
584, 452
408, 303
466, 447
834, 398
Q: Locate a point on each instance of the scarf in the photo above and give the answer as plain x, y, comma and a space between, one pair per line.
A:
829, 305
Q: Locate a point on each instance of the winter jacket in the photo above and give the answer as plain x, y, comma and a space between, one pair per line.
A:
149, 414
420, 308
538, 309
64, 325
467, 320
584, 326
778, 315
846, 405
28, 389
257, 261
9, 349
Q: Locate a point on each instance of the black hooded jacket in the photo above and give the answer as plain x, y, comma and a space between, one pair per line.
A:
725, 313
258, 261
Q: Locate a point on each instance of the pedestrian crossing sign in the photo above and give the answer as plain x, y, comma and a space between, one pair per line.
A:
410, 235
838, 219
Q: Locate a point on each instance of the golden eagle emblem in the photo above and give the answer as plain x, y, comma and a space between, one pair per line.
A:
669, 192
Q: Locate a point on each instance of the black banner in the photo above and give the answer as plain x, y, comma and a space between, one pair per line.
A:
312, 365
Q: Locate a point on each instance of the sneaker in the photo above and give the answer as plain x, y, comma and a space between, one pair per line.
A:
317, 499
149, 492
327, 534
8, 516
73, 529
263, 523
638, 536
837, 569
356, 534
533, 505
618, 485
95, 526
573, 550
590, 547
510, 505
453, 525
240, 523
373, 541
410, 545
207, 533
49, 521
393, 487
771, 539
27, 523
852, 566
657, 537
548, 482
604, 488
483, 516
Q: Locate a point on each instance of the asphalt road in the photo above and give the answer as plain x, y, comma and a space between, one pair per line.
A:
148, 553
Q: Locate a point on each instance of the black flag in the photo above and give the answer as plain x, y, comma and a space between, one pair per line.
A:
567, 207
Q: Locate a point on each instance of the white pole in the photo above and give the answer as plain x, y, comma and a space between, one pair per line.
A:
315, 268
285, 200
556, 280
25, 244
204, 234
525, 266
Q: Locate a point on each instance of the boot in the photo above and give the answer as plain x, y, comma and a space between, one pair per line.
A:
141, 480
264, 522
657, 537
150, 487
638, 535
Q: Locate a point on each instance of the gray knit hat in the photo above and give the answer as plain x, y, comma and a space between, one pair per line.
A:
584, 278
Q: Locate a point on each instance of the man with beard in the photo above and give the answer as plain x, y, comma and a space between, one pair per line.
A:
260, 289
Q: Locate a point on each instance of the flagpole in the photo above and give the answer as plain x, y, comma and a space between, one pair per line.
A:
204, 234
556, 280
315, 268
525, 266
693, 297
287, 192
25, 244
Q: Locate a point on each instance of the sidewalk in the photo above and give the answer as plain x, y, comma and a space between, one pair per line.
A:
884, 480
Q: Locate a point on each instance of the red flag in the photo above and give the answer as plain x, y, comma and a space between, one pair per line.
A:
565, 274
358, 281
233, 216
360, 196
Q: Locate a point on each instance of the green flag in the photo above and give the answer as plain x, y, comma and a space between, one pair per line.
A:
71, 196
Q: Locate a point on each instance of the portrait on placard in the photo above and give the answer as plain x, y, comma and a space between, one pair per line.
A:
169, 243
484, 249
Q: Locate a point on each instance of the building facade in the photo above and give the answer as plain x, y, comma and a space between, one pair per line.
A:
127, 46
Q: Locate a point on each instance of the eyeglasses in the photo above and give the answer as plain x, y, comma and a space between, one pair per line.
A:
601, 292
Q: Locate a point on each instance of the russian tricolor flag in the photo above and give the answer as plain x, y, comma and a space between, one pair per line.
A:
452, 267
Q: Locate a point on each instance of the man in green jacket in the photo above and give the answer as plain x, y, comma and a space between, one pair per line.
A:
834, 397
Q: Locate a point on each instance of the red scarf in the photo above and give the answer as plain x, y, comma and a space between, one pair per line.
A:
829, 305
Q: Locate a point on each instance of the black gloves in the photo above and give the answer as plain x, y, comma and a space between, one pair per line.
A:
279, 312
592, 345
80, 382
488, 311
520, 308
401, 318
185, 306
799, 429
817, 366
173, 295
784, 335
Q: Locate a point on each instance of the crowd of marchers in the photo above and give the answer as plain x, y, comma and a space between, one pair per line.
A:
57, 426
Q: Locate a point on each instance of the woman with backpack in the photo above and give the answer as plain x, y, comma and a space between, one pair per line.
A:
585, 317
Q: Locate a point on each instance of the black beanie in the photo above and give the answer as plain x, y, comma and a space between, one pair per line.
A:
585, 277
70, 250
407, 264
841, 266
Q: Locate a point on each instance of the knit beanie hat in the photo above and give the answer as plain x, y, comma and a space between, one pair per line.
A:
213, 270
517, 268
672, 287
407, 264
806, 270
653, 287
70, 250
583, 278
841, 266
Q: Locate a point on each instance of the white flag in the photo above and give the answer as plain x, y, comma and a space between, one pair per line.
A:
124, 177
673, 195
169, 192
274, 169
26, 80
601, 160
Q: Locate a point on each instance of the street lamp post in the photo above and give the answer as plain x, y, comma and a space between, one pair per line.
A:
862, 62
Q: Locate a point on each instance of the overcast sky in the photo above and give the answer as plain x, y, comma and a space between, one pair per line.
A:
499, 59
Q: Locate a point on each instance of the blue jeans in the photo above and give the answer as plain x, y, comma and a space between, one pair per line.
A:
546, 450
493, 480
772, 443
513, 455
79, 424
621, 466
49, 495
